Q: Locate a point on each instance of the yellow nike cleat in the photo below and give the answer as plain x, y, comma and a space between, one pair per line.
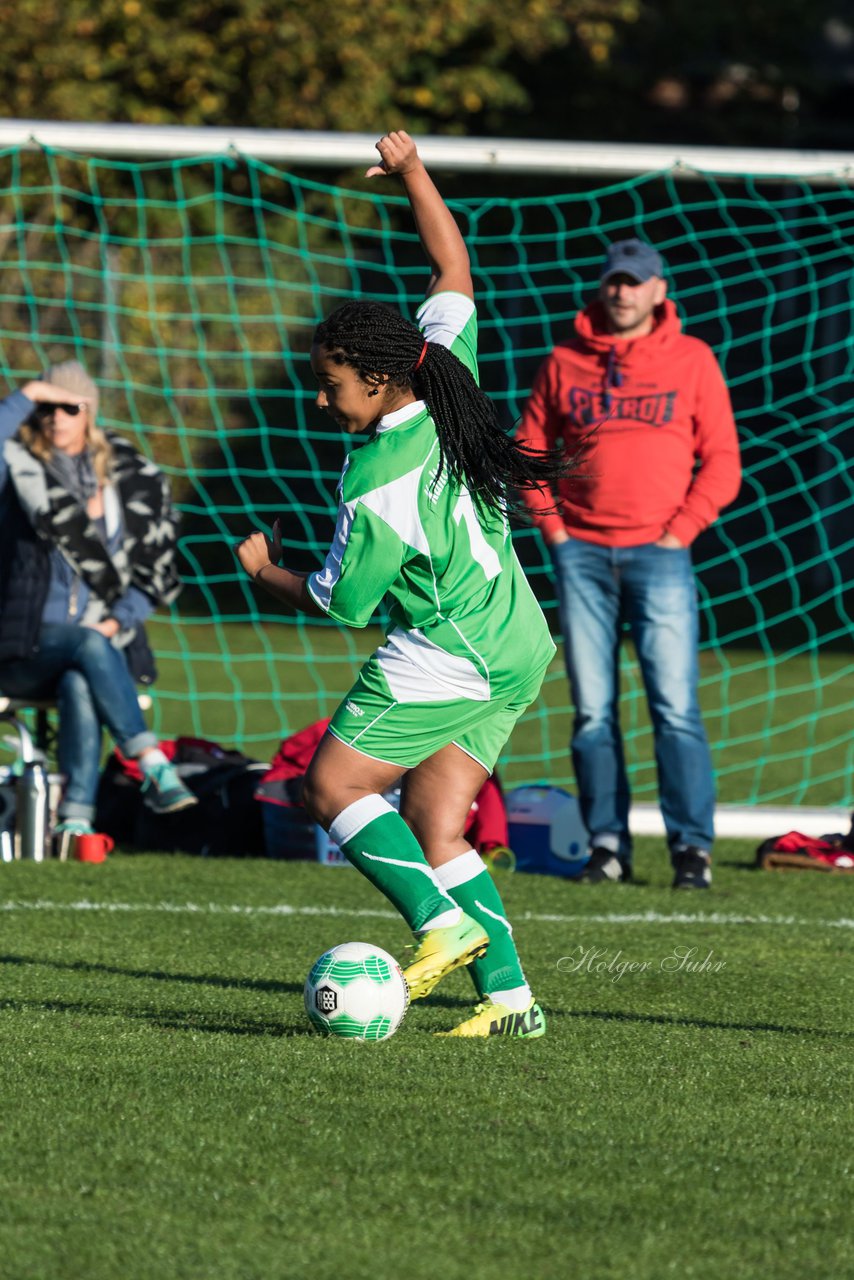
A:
440, 951
497, 1020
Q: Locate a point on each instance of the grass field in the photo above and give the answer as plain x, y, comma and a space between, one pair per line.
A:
168, 1115
779, 731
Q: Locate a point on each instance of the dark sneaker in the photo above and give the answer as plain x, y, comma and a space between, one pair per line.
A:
604, 864
164, 792
692, 868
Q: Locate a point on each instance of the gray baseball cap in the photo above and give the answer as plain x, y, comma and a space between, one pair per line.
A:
633, 258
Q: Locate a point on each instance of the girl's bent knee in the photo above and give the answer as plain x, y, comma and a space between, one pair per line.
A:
311, 800
316, 801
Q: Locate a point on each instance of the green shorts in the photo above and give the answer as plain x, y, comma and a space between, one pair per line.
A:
372, 721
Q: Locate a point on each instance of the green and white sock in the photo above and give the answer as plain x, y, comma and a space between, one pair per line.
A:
373, 836
497, 974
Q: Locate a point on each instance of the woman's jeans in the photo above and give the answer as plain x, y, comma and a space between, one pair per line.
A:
653, 590
90, 681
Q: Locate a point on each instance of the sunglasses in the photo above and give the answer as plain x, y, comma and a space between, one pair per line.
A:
45, 410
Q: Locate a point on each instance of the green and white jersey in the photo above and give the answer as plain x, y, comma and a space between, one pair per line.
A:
464, 621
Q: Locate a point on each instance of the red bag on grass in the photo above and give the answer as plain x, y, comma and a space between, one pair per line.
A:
796, 851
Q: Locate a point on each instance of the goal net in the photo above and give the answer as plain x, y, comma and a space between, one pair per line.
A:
190, 289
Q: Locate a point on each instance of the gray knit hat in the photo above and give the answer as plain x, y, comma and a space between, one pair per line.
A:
73, 377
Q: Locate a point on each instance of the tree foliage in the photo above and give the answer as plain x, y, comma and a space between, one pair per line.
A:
737, 71
351, 65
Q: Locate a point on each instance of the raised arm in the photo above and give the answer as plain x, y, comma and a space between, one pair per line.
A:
439, 234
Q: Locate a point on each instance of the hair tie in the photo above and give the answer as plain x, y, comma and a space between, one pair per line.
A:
420, 359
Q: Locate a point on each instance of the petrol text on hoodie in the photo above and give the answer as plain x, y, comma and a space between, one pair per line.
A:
656, 414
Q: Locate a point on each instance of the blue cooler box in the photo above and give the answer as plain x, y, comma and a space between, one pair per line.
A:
326, 851
546, 832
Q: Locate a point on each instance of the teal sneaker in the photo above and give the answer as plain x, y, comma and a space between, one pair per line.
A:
164, 792
65, 833
497, 1020
74, 827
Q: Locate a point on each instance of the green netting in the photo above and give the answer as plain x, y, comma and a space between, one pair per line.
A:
190, 289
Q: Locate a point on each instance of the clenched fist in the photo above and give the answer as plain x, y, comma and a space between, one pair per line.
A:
258, 550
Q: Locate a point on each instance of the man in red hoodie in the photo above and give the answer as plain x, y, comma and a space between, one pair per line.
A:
663, 460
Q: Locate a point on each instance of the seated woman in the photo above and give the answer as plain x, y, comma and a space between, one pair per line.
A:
88, 535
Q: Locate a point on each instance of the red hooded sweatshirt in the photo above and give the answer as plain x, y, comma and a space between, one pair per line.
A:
651, 408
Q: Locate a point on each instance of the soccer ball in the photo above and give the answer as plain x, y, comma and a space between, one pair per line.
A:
358, 991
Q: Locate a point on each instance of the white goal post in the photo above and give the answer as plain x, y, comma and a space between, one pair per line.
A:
464, 155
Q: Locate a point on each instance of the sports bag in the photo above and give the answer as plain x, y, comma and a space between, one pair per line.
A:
795, 851
225, 823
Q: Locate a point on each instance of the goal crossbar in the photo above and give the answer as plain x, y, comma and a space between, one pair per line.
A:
470, 155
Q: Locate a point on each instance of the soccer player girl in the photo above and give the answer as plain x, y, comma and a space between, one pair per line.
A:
423, 518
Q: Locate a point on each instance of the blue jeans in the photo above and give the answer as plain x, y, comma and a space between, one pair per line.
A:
92, 685
653, 590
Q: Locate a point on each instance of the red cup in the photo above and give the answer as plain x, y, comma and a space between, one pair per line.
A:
93, 848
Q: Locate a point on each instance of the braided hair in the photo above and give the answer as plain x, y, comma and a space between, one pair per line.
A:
382, 345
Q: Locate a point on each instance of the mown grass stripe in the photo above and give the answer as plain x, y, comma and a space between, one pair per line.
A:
285, 909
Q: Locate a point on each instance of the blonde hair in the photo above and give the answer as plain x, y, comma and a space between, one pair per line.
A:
73, 378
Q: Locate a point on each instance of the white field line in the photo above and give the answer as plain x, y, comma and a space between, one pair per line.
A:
284, 909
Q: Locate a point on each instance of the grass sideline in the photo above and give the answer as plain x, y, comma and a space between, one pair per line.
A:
168, 1113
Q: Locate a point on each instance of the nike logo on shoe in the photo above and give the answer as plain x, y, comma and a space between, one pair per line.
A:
528, 1022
